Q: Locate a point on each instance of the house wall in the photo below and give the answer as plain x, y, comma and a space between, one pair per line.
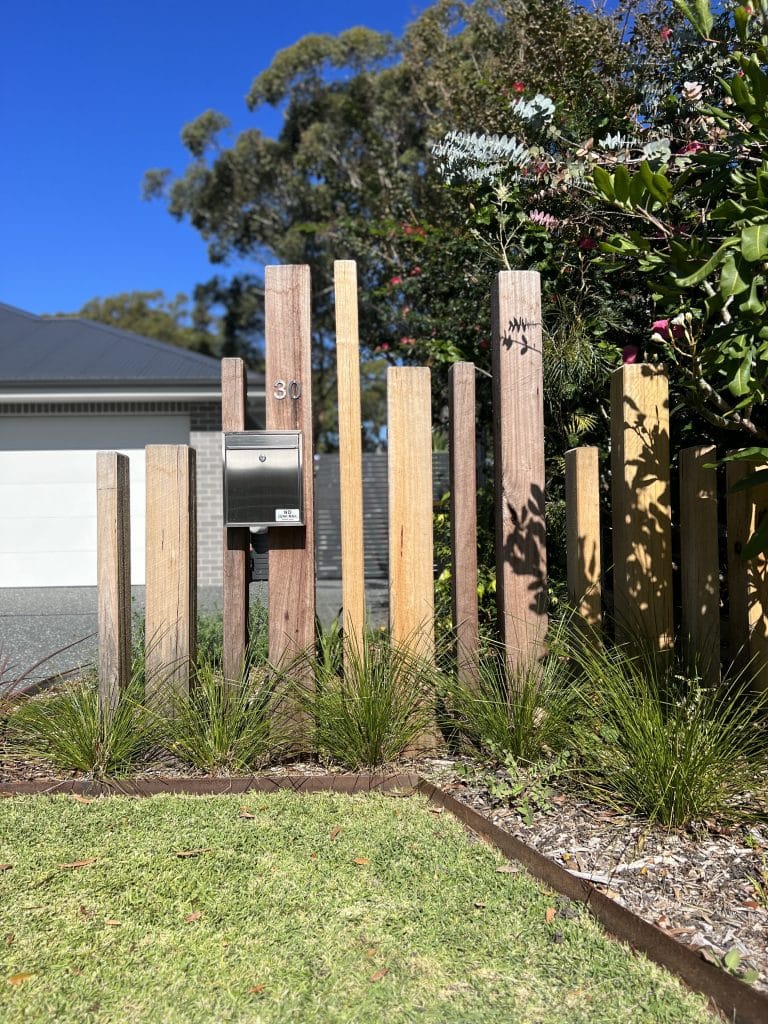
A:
204, 436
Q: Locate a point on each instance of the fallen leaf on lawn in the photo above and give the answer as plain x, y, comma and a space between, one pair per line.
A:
550, 915
193, 853
5, 867
362, 860
370, 952
10, 938
479, 904
113, 924
507, 869
83, 799
256, 990
79, 863
335, 831
313, 856
246, 814
22, 976
194, 916
381, 973
85, 911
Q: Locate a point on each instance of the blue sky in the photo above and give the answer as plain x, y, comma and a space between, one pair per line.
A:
95, 92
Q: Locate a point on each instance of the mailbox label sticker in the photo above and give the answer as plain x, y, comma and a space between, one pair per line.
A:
287, 515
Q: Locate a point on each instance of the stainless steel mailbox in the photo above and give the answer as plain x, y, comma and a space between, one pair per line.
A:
263, 478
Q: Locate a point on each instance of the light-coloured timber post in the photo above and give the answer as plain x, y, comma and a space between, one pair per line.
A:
642, 533
289, 407
237, 540
411, 568
113, 562
171, 574
699, 563
582, 527
518, 417
463, 471
747, 579
350, 451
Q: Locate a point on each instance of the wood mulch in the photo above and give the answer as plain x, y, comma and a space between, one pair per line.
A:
698, 886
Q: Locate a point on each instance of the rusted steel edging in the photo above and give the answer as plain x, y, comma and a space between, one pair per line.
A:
739, 1001
345, 784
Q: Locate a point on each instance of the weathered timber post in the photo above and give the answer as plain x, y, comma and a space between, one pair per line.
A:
411, 568
699, 563
518, 416
747, 579
582, 527
642, 538
113, 570
350, 451
237, 540
463, 477
289, 407
171, 579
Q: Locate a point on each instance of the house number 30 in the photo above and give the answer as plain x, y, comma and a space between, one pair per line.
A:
291, 389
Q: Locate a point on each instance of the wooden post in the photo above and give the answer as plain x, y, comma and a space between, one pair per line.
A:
289, 407
463, 470
171, 580
113, 560
350, 451
700, 564
237, 541
582, 527
518, 403
642, 541
747, 580
411, 560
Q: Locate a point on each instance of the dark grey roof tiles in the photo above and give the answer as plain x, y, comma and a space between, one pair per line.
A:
64, 350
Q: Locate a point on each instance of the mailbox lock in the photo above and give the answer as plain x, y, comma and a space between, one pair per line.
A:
262, 458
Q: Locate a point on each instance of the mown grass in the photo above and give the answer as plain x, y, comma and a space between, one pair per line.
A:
313, 909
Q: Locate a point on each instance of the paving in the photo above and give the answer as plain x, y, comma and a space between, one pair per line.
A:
37, 623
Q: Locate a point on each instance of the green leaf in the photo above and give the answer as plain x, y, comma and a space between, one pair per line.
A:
621, 184
731, 281
638, 189
760, 476
752, 304
750, 976
706, 269
729, 210
732, 959
754, 242
750, 454
602, 180
741, 20
698, 14
739, 384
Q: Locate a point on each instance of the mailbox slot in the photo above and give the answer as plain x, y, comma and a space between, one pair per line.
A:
263, 478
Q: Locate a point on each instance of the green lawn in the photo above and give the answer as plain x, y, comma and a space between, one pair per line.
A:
309, 909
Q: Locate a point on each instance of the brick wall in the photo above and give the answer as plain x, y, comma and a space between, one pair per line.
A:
205, 438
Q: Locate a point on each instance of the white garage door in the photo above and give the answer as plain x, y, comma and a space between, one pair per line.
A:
48, 492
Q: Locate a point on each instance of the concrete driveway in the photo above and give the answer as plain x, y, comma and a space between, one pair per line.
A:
36, 624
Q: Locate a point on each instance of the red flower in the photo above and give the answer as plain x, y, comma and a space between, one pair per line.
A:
586, 243
518, 87
665, 33
416, 271
692, 147
395, 281
484, 343
666, 329
407, 341
629, 354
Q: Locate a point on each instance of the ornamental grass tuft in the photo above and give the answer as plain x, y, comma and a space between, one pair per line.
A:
660, 744
369, 710
68, 730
